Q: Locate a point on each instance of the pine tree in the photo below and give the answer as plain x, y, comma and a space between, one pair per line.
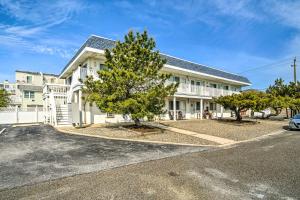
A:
254, 100
131, 82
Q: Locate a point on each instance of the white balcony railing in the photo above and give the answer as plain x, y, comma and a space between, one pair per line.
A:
56, 89
15, 99
185, 88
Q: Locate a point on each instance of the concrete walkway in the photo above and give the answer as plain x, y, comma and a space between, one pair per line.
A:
211, 138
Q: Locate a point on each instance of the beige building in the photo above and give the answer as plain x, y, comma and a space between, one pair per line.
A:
29, 88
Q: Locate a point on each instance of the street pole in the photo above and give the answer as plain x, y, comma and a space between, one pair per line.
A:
295, 72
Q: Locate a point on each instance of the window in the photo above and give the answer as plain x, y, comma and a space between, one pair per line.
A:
110, 115
212, 106
102, 66
6, 86
176, 79
29, 94
198, 105
52, 80
171, 105
213, 85
192, 86
69, 80
226, 87
235, 89
28, 79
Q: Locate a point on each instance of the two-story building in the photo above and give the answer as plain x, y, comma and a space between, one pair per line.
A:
29, 88
198, 84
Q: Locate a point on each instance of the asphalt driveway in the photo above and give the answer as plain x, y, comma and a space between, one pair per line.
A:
266, 169
38, 153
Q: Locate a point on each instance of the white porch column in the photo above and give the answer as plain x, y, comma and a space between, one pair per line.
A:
174, 108
80, 107
201, 109
46, 110
222, 111
188, 108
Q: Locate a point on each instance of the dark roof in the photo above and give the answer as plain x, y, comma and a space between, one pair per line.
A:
36, 73
103, 43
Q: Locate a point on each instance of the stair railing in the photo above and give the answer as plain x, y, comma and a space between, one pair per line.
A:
53, 109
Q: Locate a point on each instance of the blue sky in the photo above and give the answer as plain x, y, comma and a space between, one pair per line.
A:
233, 35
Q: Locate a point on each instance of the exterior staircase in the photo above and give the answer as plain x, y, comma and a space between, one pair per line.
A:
62, 115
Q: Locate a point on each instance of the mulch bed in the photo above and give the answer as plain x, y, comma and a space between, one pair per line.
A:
238, 123
143, 129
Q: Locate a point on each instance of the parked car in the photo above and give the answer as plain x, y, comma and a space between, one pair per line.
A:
295, 122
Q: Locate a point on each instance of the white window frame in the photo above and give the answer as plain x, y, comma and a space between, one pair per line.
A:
31, 94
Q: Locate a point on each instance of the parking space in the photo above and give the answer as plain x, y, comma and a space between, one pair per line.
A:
33, 154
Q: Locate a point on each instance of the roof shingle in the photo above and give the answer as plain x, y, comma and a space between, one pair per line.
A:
103, 43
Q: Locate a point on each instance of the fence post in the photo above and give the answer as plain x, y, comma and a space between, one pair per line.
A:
17, 114
37, 114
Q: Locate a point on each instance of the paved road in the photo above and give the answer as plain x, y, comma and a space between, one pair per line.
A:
38, 153
267, 169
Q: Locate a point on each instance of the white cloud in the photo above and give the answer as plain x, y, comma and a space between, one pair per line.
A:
44, 48
32, 20
238, 8
41, 12
285, 12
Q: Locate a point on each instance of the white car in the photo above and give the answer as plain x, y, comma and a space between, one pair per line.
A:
294, 123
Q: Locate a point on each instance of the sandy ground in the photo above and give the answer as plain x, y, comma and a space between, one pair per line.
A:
229, 129
157, 135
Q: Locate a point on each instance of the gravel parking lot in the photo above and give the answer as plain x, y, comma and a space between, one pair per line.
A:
33, 154
229, 129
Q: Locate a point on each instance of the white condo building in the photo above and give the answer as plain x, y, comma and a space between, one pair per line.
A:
198, 84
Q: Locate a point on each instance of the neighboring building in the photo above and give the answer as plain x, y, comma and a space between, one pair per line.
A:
29, 88
193, 99
11, 88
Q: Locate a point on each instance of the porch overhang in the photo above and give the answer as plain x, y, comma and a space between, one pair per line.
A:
190, 96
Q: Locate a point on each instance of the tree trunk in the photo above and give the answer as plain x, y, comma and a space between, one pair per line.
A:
287, 113
137, 122
278, 111
238, 115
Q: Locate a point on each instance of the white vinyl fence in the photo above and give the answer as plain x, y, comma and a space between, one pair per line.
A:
14, 115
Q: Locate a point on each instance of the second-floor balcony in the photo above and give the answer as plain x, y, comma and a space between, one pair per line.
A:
200, 90
56, 89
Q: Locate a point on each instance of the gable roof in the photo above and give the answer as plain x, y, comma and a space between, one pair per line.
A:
104, 43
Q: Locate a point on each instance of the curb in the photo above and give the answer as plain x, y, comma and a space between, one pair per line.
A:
134, 140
